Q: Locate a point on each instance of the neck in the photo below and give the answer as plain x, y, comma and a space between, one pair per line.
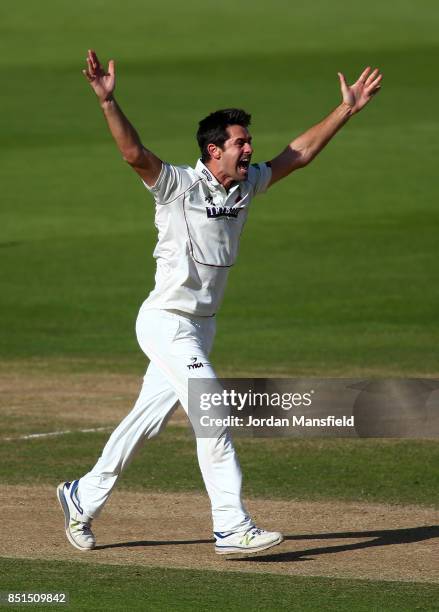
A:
223, 178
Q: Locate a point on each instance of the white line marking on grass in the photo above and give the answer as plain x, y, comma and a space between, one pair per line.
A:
51, 434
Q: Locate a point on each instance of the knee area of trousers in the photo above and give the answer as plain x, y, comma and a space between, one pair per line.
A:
215, 446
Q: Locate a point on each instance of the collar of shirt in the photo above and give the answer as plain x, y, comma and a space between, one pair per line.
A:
211, 181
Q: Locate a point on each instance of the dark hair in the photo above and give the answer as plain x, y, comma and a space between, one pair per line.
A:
212, 129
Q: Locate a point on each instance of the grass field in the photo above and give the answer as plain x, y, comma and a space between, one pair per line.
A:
152, 589
346, 249
275, 469
337, 272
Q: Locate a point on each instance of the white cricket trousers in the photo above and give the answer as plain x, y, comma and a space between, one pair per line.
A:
171, 340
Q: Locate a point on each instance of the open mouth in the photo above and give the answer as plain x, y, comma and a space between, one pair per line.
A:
243, 165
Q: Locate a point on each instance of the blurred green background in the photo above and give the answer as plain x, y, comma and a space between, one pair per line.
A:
338, 265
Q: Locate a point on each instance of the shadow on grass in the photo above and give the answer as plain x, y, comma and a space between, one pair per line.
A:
380, 538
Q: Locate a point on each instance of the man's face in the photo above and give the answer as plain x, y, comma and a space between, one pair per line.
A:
235, 156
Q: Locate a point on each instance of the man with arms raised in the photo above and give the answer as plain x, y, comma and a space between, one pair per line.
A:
200, 213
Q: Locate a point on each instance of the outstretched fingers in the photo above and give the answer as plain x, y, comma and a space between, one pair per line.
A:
93, 59
94, 65
90, 68
363, 76
374, 85
88, 76
371, 77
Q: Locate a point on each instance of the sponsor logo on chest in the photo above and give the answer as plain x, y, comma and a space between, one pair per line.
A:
213, 212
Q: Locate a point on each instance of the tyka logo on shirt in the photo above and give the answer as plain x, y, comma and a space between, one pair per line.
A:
195, 364
213, 212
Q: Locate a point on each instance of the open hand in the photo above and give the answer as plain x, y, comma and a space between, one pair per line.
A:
103, 83
361, 92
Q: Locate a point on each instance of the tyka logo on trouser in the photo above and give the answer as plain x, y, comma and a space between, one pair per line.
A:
195, 364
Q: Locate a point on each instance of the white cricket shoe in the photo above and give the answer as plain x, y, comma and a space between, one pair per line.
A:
77, 524
246, 542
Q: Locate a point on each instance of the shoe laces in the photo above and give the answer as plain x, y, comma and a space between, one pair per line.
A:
255, 531
84, 527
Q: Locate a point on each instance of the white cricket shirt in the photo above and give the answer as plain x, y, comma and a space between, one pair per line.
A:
199, 224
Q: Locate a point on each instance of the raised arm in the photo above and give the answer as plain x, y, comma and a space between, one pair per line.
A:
144, 162
302, 150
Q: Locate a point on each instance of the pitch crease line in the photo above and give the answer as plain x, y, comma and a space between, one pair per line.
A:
50, 434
